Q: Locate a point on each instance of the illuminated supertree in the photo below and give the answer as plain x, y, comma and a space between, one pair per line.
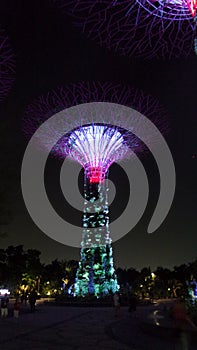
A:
140, 28
195, 39
7, 66
95, 146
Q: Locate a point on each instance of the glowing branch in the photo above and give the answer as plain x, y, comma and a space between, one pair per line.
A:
141, 28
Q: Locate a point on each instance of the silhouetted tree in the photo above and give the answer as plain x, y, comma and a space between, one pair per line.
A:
15, 263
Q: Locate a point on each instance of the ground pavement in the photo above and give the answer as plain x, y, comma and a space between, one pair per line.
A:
83, 328
152, 328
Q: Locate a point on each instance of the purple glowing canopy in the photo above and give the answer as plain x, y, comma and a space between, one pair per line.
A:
177, 10
94, 145
74, 94
140, 28
7, 66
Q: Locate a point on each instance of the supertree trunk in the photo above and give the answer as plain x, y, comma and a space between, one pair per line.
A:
96, 274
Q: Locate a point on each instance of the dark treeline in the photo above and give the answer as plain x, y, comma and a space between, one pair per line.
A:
21, 270
161, 282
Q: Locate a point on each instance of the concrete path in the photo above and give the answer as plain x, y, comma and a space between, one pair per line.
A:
82, 328
56, 328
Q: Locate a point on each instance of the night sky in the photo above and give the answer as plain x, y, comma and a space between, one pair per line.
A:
50, 52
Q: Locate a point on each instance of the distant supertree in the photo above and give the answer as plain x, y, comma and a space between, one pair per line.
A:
7, 66
140, 28
95, 145
195, 39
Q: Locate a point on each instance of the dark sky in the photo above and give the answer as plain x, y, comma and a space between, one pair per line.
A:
50, 52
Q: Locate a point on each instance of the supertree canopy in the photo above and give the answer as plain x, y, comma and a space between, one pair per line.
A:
140, 28
95, 145
170, 9
57, 100
7, 66
195, 39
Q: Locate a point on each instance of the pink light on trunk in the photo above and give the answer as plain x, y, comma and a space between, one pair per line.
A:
95, 175
193, 7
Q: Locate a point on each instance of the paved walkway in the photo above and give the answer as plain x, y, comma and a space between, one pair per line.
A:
56, 328
77, 328
152, 328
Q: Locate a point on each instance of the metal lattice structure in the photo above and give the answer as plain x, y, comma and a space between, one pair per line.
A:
57, 100
137, 28
176, 10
